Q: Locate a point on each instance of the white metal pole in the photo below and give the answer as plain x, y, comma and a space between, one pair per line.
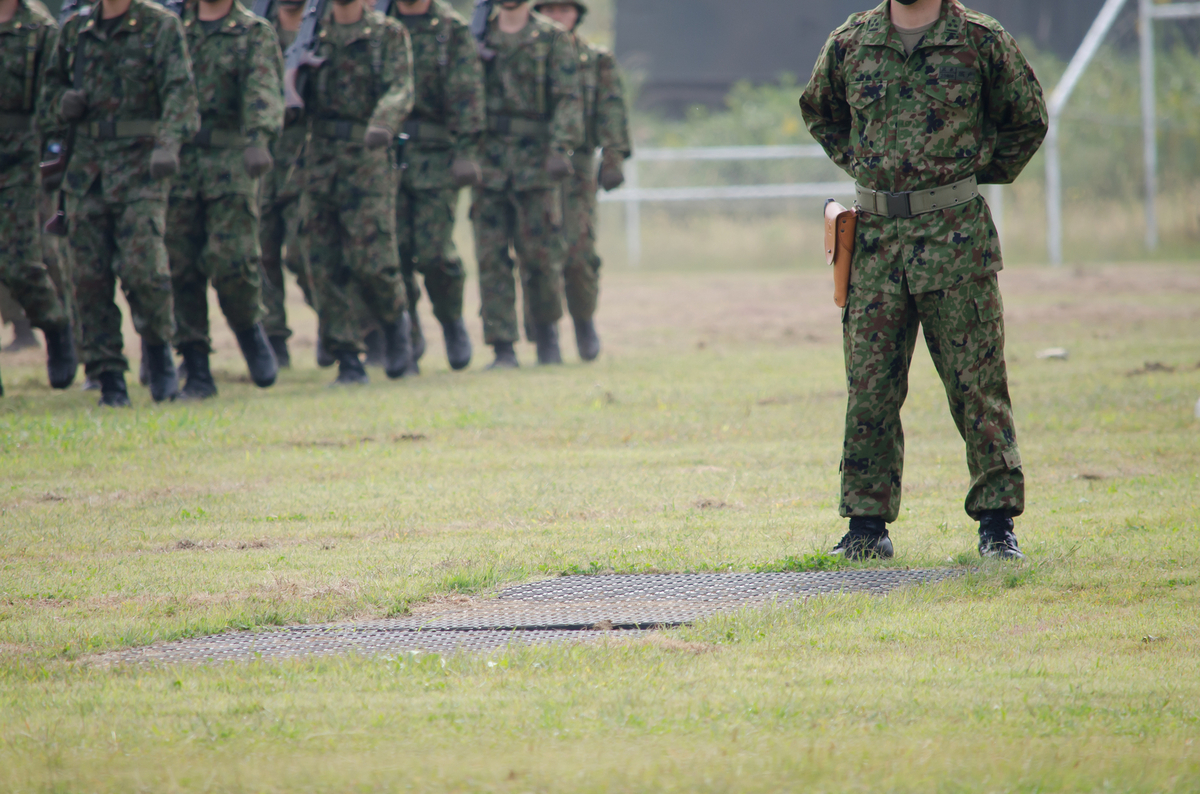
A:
1054, 202
1149, 120
995, 200
633, 216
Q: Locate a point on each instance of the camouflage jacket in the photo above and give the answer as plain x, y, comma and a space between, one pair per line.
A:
605, 115
448, 79
238, 70
965, 102
288, 144
141, 74
534, 77
25, 42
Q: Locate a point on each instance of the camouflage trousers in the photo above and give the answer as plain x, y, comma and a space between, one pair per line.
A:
526, 223
425, 233
348, 237
22, 260
110, 241
581, 270
964, 331
214, 239
279, 238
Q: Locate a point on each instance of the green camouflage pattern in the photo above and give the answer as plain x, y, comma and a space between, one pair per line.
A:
605, 111
965, 103
348, 201
212, 221
581, 267
964, 332
425, 237
22, 268
141, 73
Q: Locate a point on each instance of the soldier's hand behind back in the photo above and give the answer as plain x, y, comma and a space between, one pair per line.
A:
377, 137
257, 161
73, 105
466, 172
559, 167
163, 164
612, 175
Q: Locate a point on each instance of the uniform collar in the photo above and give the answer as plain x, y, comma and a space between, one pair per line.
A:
132, 22
233, 22
533, 30
22, 21
348, 34
946, 32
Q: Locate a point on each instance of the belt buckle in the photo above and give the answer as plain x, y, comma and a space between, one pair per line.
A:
106, 130
898, 205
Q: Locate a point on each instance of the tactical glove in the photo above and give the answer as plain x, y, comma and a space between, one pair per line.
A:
73, 105
257, 161
612, 175
559, 167
377, 137
466, 173
163, 164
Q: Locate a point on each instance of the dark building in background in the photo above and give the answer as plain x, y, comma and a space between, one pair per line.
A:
691, 51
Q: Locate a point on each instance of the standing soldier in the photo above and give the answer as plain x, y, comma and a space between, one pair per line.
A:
27, 33
121, 76
921, 101
606, 127
212, 223
440, 157
356, 103
535, 121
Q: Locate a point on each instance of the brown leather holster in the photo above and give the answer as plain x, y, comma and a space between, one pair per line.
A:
839, 246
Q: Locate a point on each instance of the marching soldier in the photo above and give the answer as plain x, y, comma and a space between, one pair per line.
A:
921, 101
440, 157
606, 127
212, 222
535, 121
356, 103
120, 74
27, 33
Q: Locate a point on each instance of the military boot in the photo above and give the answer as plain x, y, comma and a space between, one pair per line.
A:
324, 357
867, 539
374, 343
280, 348
586, 339
506, 357
547, 344
996, 537
112, 390
260, 358
61, 361
164, 381
397, 346
458, 343
23, 338
350, 370
200, 384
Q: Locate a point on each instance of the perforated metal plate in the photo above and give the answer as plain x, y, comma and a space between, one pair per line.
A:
571, 608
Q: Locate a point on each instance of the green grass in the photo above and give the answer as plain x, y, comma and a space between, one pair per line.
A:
703, 440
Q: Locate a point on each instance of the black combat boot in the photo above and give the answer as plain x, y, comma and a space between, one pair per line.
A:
374, 343
260, 358
506, 357
867, 539
350, 370
324, 357
547, 343
164, 381
23, 338
397, 346
586, 339
458, 343
112, 390
996, 538
61, 361
200, 384
282, 357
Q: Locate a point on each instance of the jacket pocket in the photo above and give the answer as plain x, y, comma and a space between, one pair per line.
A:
952, 122
869, 126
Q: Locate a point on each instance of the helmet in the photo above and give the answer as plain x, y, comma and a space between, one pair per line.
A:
579, 4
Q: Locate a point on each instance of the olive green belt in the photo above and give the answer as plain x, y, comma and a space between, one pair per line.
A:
512, 125
916, 202
220, 139
15, 121
340, 130
425, 131
107, 130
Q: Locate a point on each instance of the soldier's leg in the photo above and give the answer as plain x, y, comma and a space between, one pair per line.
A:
332, 279
142, 264
964, 331
368, 227
293, 255
271, 236
581, 267
184, 241
91, 227
406, 207
493, 218
232, 259
879, 332
21, 267
540, 250
437, 256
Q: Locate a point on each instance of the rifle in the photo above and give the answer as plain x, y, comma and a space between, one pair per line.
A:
302, 53
54, 169
479, 23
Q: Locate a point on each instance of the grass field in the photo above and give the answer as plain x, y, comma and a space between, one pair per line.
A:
706, 438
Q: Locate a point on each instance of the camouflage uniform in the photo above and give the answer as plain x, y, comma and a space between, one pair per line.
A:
534, 110
26, 41
348, 204
447, 121
212, 221
138, 82
966, 102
